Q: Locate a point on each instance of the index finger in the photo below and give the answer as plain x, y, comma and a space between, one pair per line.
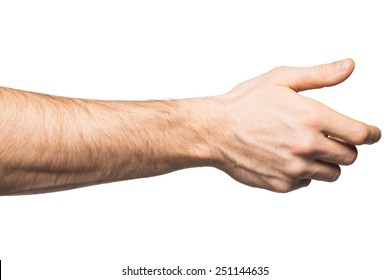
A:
349, 130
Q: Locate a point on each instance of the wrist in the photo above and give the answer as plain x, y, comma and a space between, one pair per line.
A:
203, 119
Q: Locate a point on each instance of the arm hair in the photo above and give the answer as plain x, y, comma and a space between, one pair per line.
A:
51, 143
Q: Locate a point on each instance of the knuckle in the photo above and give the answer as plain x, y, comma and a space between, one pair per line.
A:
283, 186
361, 135
306, 145
322, 76
297, 169
279, 69
351, 157
336, 174
313, 120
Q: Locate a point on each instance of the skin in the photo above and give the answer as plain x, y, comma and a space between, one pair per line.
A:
262, 133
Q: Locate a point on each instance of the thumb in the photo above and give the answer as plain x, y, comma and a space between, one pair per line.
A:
325, 75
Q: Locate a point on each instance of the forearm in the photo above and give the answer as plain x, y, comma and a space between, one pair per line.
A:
50, 143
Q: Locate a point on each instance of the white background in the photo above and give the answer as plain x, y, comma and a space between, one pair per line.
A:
199, 218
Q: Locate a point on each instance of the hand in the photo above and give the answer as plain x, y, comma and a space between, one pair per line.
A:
276, 139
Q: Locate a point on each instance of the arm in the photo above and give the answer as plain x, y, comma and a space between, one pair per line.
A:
261, 133
51, 143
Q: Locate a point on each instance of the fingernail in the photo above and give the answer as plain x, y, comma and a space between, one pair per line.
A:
343, 65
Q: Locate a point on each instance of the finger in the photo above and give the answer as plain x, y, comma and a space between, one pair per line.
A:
334, 151
349, 130
323, 171
325, 75
302, 183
